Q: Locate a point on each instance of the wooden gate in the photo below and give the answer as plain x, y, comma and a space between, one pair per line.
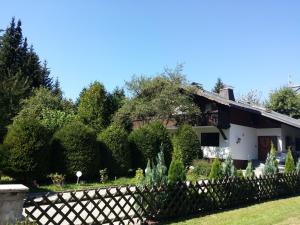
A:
264, 146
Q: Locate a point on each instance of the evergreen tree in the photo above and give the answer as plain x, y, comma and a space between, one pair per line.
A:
20, 72
218, 86
271, 165
289, 162
176, 171
298, 166
249, 170
216, 170
228, 169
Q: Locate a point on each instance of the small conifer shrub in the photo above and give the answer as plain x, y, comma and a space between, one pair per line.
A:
177, 171
289, 162
249, 170
216, 170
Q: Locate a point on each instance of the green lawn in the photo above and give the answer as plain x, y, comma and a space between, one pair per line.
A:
279, 212
66, 187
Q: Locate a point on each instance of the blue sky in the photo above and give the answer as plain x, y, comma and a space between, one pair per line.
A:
249, 44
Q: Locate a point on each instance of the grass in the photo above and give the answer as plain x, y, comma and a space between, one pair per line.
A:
278, 212
67, 187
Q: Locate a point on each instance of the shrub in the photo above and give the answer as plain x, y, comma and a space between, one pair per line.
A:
115, 140
216, 170
176, 171
103, 175
298, 166
186, 145
156, 174
27, 143
289, 162
139, 176
75, 148
148, 141
200, 169
57, 179
249, 170
228, 169
271, 165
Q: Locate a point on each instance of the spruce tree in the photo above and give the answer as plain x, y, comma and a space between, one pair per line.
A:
228, 169
20, 73
216, 170
289, 162
218, 86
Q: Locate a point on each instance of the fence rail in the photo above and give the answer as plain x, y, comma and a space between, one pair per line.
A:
133, 204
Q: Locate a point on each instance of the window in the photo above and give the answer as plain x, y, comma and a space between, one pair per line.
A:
210, 139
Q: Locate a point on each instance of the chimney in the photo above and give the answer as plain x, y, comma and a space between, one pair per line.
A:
227, 92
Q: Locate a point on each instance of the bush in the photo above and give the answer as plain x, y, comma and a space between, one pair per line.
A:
27, 145
289, 162
75, 148
216, 170
57, 179
115, 140
139, 176
200, 169
249, 170
228, 169
186, 145
176, 171
148, 141
271, 165
103, 175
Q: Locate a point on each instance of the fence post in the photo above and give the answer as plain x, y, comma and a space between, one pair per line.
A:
11, 202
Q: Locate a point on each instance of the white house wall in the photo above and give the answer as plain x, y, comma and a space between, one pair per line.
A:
243, 142
212, 152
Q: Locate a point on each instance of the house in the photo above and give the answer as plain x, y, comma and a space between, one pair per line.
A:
242, 130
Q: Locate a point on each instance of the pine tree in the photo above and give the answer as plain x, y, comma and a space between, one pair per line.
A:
218, 86
289, 162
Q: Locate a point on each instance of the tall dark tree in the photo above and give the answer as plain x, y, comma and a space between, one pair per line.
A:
218, 86
20, 72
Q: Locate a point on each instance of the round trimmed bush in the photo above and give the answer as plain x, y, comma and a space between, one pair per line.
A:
75, 148
27, 143
147, 141
186, 145
115, 141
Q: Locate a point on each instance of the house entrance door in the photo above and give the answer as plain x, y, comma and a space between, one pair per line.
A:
264, 146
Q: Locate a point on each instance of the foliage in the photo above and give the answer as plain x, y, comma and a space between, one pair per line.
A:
160, 97
253, 97
249, 170
116, 99
115, 140
75, 148
289, 162
20, 73
27, 143
51, 110
216, 169
139, 176
186, 145
103, 175
228, 168
176, 172
93, 106
57, 179
200, 169
156, 174
218, 86
26, 222
298, 166
271, 165
286, 101
148, 141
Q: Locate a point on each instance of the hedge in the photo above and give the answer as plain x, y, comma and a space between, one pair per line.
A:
147, 141
27, 146
114, 139
186, 145
75, 148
